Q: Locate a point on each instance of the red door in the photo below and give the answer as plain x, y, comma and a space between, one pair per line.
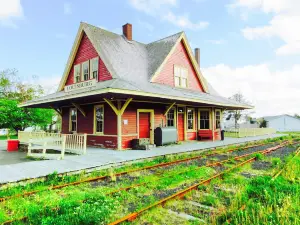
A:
180, 127
144, 125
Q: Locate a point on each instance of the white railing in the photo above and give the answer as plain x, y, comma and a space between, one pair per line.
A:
75, 143
248, 132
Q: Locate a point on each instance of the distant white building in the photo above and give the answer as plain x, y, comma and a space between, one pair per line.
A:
283, 122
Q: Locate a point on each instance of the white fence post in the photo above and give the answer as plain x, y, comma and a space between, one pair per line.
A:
63, 146
84, 143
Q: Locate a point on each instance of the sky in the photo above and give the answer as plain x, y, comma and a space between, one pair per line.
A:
247, 46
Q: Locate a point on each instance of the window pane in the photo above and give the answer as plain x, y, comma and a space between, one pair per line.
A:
171, 118
190, 115
183, 82
204, 119
177, 81
99, 116
184, 73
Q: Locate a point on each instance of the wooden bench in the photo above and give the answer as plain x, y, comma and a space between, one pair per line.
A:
205, 134
57, 144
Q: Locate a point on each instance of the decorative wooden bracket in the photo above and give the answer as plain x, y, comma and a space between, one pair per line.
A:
57, 110
79, 108
169, 108
119, 110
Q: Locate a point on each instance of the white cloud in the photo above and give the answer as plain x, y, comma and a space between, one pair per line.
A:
272, 92
10, 10
217, 42
284, 23
184, 22
151, 6
162, 9
67, 8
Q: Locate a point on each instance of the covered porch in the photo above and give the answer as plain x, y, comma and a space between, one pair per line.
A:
114, 120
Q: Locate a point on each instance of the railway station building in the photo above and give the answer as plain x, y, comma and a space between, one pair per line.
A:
117, 90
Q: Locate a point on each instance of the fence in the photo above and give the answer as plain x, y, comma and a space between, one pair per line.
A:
248, 132
75, 143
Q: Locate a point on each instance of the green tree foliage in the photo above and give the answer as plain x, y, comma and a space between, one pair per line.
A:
13, 92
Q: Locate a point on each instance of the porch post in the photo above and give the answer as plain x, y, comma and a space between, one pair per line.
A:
213, 122
119, 112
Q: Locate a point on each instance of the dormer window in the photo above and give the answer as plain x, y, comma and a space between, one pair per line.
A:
77, 73
85, 70
180, 76
94, 68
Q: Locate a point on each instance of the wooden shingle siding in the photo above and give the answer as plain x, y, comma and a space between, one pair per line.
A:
85, 52
102, 141
180, 58
191, 136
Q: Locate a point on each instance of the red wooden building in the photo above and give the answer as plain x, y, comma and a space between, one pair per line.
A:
116, 89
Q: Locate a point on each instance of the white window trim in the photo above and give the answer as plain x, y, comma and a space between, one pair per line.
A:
76, 66
92, 69
70, 120
82, 70
217, 110
95, 123
187, 119
209, 115
181, 68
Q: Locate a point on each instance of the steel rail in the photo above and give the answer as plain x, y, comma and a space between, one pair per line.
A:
127, 172
133, 186
180, 194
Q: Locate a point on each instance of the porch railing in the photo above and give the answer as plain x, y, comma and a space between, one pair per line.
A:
248, 132
75, 143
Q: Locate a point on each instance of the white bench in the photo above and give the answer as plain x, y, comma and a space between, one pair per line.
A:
58, 144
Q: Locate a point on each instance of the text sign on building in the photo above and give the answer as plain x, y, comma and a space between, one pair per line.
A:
81, 85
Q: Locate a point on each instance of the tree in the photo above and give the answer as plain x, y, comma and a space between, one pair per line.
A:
263, 123
13, 92
237, 115
297, 115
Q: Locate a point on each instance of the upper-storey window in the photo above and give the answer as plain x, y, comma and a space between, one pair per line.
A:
77, 73
180, 76
94, 68
85, 70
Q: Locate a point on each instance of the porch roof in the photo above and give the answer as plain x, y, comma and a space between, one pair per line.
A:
153, 90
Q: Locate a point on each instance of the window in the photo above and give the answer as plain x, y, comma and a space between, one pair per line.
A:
73, 120
85, 70
99, 119
77, 73
190, 119
94, 68
180, 76
171, 118
204, 120
218, 119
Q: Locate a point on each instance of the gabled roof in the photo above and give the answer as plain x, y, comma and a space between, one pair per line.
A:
132, 66
129, 60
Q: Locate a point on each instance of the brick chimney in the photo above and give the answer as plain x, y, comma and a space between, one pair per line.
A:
127, 31
197, 56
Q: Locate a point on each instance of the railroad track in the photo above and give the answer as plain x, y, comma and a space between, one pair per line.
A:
160, 165
237, 158
180, 194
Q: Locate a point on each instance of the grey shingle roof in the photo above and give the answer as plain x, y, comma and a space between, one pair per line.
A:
132, 64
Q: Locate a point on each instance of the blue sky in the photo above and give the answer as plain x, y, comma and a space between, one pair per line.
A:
244, 44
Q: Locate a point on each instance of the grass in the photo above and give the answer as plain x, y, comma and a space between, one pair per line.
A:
4, 137
90, 204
